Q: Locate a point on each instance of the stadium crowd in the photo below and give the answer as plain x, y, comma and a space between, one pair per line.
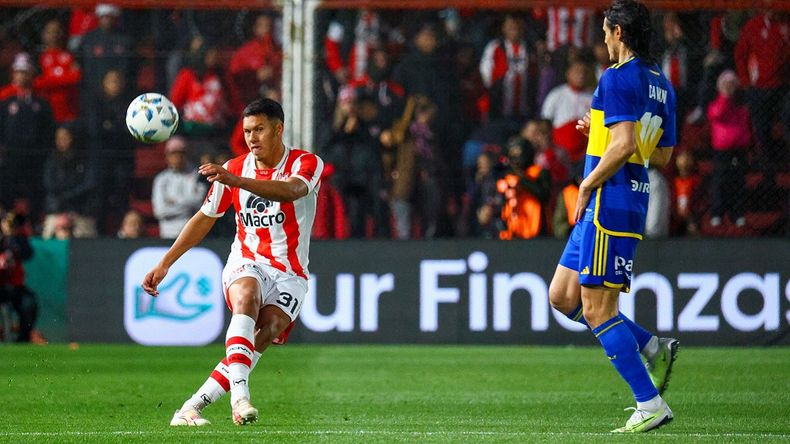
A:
432, 124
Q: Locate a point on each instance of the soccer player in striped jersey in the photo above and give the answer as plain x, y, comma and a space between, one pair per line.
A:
273, 190
631, 124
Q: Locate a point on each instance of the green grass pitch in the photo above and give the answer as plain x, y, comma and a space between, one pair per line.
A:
367, 394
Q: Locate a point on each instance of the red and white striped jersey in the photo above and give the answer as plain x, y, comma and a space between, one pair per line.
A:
504, 68
569, 26
270, 232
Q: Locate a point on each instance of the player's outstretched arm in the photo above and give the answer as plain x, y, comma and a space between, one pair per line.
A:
194, 231
280, 190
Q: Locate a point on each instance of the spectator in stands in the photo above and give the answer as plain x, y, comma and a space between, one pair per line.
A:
199, 93
680, 63
724, 32
331, 221
26, 132
429, 169
355, 152
60, 74
15, 249
762, 57
564, 216
177, 192
731, 139
525, 190
131, 225
686, 195
255, 68
101, 50
485, 201
474, 99
366, 35
61, 227
70, 182
81, 21
423, 72
149, 74
547, 155
112, 148
378, 85
564, 106
506, 71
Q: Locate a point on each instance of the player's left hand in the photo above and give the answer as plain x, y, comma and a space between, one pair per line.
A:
215, 173
581, 203
583, 124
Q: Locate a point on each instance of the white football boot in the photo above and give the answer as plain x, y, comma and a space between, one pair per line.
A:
188, 417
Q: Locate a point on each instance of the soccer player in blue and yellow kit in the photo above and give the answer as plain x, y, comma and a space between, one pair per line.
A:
631, 125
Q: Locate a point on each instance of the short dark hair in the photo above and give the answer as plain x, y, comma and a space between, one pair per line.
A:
268, 107
634, 20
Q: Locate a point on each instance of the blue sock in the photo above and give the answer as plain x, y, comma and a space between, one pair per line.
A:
576, 315
641, 335
620, 346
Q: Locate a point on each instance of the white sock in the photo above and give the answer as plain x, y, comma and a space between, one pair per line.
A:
214, 387
208, 393
651, 405
239, 350
651, 348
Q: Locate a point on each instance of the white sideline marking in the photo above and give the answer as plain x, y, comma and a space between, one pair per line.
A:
382, 432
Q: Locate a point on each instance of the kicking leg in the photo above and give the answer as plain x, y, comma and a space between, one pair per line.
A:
214, 388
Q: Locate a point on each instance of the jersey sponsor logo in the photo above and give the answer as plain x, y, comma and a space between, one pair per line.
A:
256, 213
641, 187
621, 265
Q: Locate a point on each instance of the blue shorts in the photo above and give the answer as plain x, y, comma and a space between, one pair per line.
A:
601, 260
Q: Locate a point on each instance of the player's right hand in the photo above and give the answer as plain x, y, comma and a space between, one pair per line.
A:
583, 125
153, 279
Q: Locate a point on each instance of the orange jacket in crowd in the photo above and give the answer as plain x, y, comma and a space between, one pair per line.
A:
522, 211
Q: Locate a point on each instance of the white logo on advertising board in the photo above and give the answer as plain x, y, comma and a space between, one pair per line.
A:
190, 307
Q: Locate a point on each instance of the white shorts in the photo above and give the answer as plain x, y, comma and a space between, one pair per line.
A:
276, 288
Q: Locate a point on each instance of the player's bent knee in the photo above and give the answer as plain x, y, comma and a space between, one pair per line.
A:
245, 295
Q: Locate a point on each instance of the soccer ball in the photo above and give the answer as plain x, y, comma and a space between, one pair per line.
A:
151, 118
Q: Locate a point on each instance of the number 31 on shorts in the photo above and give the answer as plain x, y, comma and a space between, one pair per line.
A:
288, 302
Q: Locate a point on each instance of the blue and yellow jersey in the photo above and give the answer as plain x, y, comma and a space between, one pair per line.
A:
637, 92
